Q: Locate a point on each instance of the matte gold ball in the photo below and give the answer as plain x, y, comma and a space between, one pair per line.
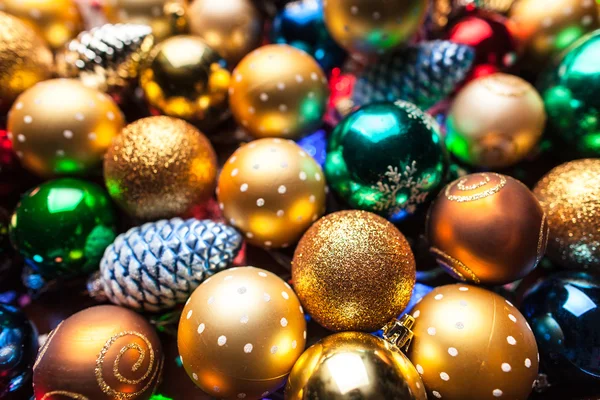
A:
61, 127
471, 344
278, 91
272, 191
353, 270
100, 353
240, 334
570, 196
495, 121
487, 228
160, 167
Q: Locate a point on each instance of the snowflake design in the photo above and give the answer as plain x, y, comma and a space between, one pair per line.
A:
393, 181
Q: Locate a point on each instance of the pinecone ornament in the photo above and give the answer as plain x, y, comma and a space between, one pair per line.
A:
422, 74
158, 265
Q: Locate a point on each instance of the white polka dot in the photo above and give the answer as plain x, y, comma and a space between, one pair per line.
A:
195, 376
92, 135
497, 392
282, 189
244, 319
416, 314
509, 303
234, 172
281, 86
79, 116
244, 187
232, 159
248, 348
444, 376
216, 389
538, 357
249, 235
511, 340
506, 367
420, 369
268, 243
547, 22
189, 314
241, 395
242, 290
264, 97
314, 76
302, 176
211, 300
376, 15
27, 119
19, 105
110, 115
222, 340
285, 295
452, 351
439, 296
354, 10
437, 394
280, 213
228, 278
299, 78
318, 176
283, 322
283, 108
21, 138
512, 318
251, 110
302, 153
294, 344
304, 334
311, 95
527, 363
463, 289
301, 309
274, 349
260, 202
231, 90
262, 274
238, 77
586, 20
431, 331
232, 221
201, 328
68, 134
266, 297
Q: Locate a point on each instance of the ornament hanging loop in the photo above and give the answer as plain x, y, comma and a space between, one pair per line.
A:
399, 332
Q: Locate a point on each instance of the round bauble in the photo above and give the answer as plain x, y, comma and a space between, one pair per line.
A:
354, 365
471, 221
495, 121
471, 344
103, 353
386, 158
25, 59
185, 78
272, 191
160, 167
570, 196
241, 333
373, 26
61, 127
278, 91
353, 270
443, 12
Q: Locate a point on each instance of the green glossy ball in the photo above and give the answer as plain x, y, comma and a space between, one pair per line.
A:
386, 158
62, 227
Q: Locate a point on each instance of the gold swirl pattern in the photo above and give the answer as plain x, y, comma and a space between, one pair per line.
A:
45, 346
461, 184
455, 266
461, 187
64, 393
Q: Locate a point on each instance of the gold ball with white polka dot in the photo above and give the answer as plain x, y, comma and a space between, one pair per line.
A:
472, 344
272, 191
278, 91
61, 127
240, 333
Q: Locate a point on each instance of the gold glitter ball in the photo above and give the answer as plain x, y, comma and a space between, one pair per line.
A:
570, 196
160, 167
353, 270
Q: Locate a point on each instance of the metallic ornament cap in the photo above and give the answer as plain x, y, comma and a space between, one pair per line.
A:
399, 333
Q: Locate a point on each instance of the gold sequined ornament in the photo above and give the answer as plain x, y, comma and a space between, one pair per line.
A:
278, 91
24, 57
570, 196
240, 334
185, 78
471, 344
272, 191
160, 167
61, 127
100, 353
353, 270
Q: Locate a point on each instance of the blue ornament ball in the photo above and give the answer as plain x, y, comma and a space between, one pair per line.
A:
315, 145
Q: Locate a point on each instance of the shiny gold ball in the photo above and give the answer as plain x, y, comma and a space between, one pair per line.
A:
471, 344
487, 228
233, 27
353, 270
240, 333
373, 26
570, 196
61, 127
100, 353
160, 167
185, 78
278, 91
495, 121
24, 57
272, 191
354, 365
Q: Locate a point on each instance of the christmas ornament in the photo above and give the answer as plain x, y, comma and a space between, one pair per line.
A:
353, 270
160, 167
280, 91
495, 121
442, 12
61, 127
233, 28
159, 264
301, 24
544, 28
107, 58
18, 348
567, 88
185, 78
240, 334
315, 145
62, 227
24, 57
471, 344
570, 197
354, 365
423, 74
564, 313
373, 26
103, 353
470, 220
272, 191
386, 158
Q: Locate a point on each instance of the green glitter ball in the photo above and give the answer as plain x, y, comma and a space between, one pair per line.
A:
386, 158
62, 227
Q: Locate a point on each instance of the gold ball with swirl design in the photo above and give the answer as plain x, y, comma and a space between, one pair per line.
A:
472, 344
487, 228
240, 333
272, 191
100, 353
278, 91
